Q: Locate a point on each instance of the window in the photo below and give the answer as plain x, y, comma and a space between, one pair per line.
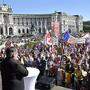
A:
1, 31
6, 29
64, 22
35, 22
39, 23
43, 23
18, 21
10, 31
23, 30
22, 21
26, 23
39, 30
14, 20
27, 30
19, 31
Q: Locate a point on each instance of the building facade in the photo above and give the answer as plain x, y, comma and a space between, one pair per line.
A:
18, 24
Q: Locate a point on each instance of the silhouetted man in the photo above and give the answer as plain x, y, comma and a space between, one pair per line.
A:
12, 71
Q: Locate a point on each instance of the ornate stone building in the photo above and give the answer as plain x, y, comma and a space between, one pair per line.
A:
18, 24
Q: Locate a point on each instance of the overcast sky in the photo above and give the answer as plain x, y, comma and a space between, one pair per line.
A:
80, 7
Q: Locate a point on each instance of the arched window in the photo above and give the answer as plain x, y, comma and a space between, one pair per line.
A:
39, 30
23, 30
27, 30
69, 30
10, 31
26, 23
19, 31
1, 30
44, 31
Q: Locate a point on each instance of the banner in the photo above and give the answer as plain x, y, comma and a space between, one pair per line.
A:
80, 40
48, 38
56, 28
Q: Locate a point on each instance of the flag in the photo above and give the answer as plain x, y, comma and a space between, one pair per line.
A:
72, 40
66, 36
48, 38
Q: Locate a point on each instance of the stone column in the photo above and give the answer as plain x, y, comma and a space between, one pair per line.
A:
45, 24
41, 27
8, 30
4, 30
25, 21
16, 21
2, 22
37, 27
20, 20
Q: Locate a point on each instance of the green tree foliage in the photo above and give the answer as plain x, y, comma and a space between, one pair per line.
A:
86, 26
86, 23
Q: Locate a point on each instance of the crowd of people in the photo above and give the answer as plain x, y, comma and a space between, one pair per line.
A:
70, 66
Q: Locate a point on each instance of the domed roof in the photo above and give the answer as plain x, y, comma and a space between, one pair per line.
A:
5, 8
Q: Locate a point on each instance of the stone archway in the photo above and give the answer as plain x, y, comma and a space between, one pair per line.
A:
10, 31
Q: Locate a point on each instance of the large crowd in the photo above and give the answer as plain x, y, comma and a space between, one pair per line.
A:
68, 64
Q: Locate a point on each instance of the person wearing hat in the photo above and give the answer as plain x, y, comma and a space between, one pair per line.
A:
12, 71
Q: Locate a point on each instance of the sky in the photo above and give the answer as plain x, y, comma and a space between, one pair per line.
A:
71, 7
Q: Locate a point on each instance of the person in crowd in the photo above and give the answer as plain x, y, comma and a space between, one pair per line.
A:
88, 77
68, 73
12, 71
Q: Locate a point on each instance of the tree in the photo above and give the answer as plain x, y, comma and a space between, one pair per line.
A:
86, 26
